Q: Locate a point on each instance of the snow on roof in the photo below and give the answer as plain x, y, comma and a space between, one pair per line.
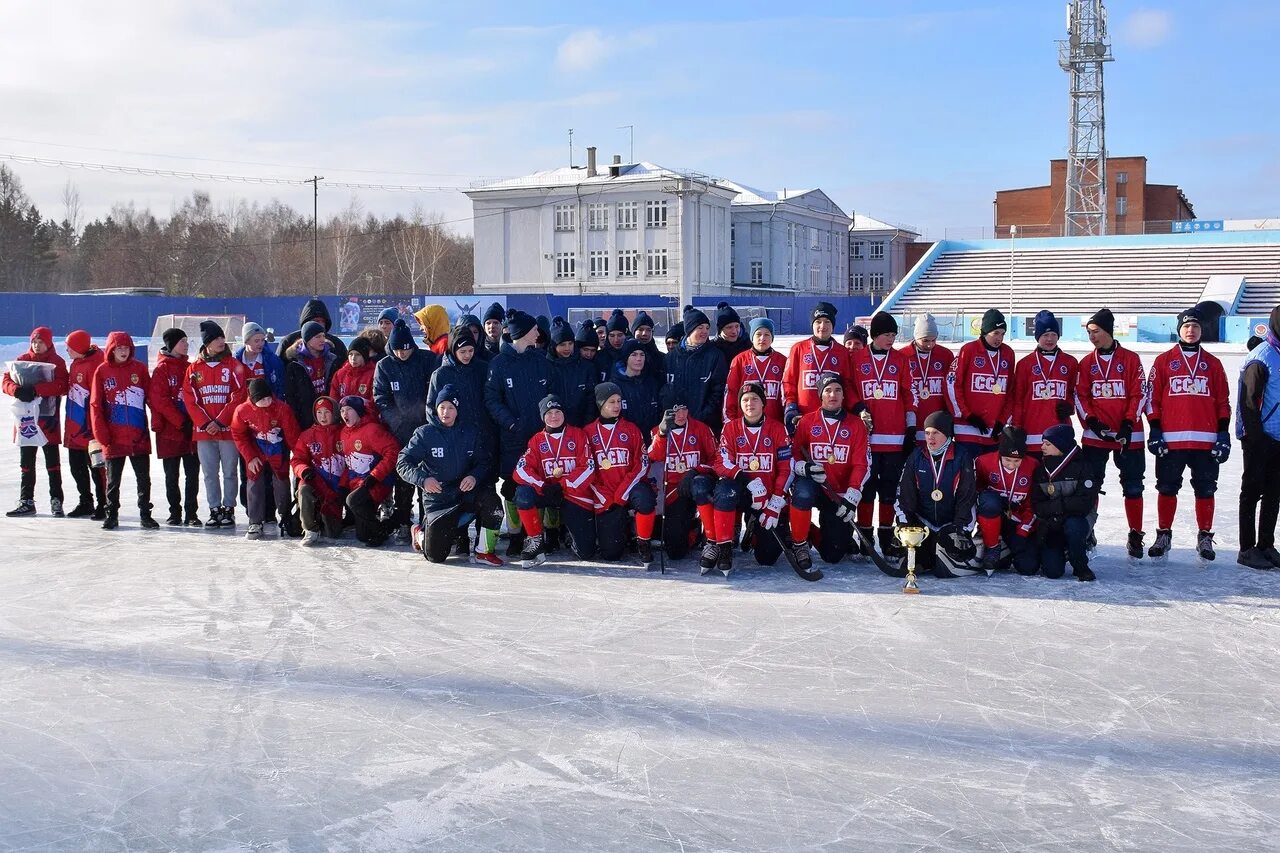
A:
751, 195
862, 222
568, 176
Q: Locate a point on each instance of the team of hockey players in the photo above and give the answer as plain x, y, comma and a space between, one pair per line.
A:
592, 439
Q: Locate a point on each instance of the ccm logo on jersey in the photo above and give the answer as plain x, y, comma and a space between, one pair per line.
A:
809, 379
1186, 386
764, 462
1049, 389
988, 384
829, 453
619, 456
549, 466
933, 385
888, 389
1109, 388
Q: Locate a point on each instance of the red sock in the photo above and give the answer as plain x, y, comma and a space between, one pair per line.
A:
1204, 513
801, 521
644, 525
864, 514
707, 513
1166, 507
990, 530
532, 521
886, 514
1133, 512
724, 525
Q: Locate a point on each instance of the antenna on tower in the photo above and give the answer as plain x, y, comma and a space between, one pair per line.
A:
1081, 55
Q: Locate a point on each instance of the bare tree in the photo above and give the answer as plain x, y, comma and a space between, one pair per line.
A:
345, 241
409, 246
71, 208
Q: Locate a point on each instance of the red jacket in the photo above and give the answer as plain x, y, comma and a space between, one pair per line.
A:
806, 364
750, 366
1040, 384
693, 448
1189, 398
767, 446
929, 376
1112, 389
318, 449
354, 381
980, 383
570, 454
266, 433
212, 390
80, 372
118, 403
370, 451
841, 446
620, 461
1013, 487
895, 409
169, 419
50, 417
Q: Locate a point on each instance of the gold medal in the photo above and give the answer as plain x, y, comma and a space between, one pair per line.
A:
754, 465
557, 471
878, 394
605, 463
924, 393
1050, 489
936, 494
1106, 390
679, 467
997, 389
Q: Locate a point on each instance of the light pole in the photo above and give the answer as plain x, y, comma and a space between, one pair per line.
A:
1013, 235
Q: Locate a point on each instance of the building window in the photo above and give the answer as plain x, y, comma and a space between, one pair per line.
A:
859, 282
566, 217
733, 235
877, 281
597, 216
1122, 206
626, 215
733, 275
877, 250
655, 215
814, 237
628, 263
565, 264
1122, 177
655, 260
757, 272
828, 241
815, 277
757, 233
857, 250
598, 264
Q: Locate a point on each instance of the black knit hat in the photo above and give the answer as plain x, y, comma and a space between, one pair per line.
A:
401, 337
676, 332
942, 421
495, 312
641, 321
726, 315
823, 309
520, 324
604, 391
829, 379
259, 389
856, 333
210, 332
547, 403
311, 328
992, 319
561, 333
543, 322
1013, 442
364, 346
355, 402
882, 323
449, 392
171, 337
1104, 320
617, 322
630, 347
463, 338
693, 318
752, 388
1191, 315
587, 336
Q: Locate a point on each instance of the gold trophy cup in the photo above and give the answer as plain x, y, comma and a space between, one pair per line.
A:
911, 537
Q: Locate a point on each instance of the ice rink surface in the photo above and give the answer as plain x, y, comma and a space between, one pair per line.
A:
189, 690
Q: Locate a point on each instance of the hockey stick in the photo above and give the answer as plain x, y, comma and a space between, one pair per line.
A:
662, 495
810, 574
867, 545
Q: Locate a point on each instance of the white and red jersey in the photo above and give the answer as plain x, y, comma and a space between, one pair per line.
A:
806, 364
882, 385
1189, 398
355, 382
370, 452
1112, 387
929, 379
761, 452
1041, 382
564, 456
211, 392
980, 382
1014, 486
751, 366
840, 444
691, 447
618, 449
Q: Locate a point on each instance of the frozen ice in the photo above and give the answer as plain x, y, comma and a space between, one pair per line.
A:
189, 690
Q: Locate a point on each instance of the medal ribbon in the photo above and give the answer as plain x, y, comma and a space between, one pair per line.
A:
1187, 361
754, 367
884, 365
995, 368
1058, 467
555, 454
831, 436
756, 444
821, 366
924, 368
937, 470
684, 433
1044, 374
1006, 487
607, 445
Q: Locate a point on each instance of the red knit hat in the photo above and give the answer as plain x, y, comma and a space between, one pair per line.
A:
43, 333
79, 341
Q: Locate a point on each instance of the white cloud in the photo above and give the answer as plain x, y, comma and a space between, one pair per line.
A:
1146, 28
582, 50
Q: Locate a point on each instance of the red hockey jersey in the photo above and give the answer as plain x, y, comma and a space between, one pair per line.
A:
688, 448
620, 460
1189, 398
213, 388
806, 364
1040, 383
118, 403
318, 449
169, 418
980, 382
751, 366
882, 385
929, 377
80, 372
1014, 486
355, 381
370, 452
265, 433
762, 453
1113, 389
565, 457
840, 445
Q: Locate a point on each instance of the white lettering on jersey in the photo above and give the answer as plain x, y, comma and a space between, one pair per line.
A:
1185, 386
838, 453
987, 384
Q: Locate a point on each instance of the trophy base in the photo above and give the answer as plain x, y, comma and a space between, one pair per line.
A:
911, 590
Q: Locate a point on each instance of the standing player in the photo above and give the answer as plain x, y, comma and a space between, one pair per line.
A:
808, 360
214, 386
50, 394
1044, 383
85, 359
980, 386
621, 480
1190, 417
761, 363
172, 425
1110, 397
118, 412
696, 371
264, 429
1258, 429
929, 364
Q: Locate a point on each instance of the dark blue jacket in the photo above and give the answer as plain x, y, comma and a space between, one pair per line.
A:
575, 383
469, 381
517, 381
698, 377
640, 400
400, 391
447, 453
958, 484
272, 369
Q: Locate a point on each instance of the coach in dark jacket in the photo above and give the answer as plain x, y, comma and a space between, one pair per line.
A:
640, 391
401, 381
519, 376
576, 377
467, 374
316, 310
697, 370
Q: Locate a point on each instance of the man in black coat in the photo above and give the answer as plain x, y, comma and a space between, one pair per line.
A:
314, 310
729, 338
1064, 494
697, 371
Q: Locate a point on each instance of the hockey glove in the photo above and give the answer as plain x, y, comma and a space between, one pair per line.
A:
1125, 435
1062, 411
909, 440
1099, 428
957, 543
847, 511
791, 417
758, 494
812, 470
1156, 443
979, 424
553, 491
668, 421
308, 474
1222, 448
25, 393
866, 421
772, 509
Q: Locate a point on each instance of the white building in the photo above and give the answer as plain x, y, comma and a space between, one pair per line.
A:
877, 257
794, 240
618, 229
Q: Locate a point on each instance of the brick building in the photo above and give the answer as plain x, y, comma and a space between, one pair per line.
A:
1133, 205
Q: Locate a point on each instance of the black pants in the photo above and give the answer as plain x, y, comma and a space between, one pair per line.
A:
403, 494
309, 501
442, 526
364, 512
141, 464
182, 498
1260, 484
1203, 467
52, 464
89, 482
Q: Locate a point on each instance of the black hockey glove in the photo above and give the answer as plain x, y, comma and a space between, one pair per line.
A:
308, 474
668, 421
25, 393
791, 417
1124, 435
909, 440
979, 424
1062, 410
553, 491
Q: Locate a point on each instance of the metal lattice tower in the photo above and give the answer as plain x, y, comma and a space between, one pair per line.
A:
1081, 55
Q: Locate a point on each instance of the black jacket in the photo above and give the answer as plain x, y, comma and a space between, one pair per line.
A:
517, 382
400, 390
449, 454
1074, 492
299, 393
576, 384
640, 400
469, 381
698, 377
316, 310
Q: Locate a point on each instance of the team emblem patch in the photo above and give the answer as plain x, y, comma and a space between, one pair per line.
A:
742, 441
573, 445
110, 383
1175, 365
196, 377
979, 362
544, 447
866, 369
133, 378
358, 444
1119, 368
624, 438
768, 442
808, 358
775, 370
844, 433
693, 440
79, 378
1035, 370
815, 431
893, 369
1022, 481
314, 447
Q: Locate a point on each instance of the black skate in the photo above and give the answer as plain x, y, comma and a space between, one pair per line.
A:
710, 556
532, 554
1135, 545
1204, 546
644, 552
84, 509
725, 563
1159, 549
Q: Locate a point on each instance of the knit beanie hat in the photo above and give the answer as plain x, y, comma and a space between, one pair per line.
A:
752, 388
355, 402
726, 315
823, 309
1012, 442
210, 332
543, 322
561, 333
992, 319
547, 403
463, 338
829, 379
1191, 315
327, 403
401, 337
447, 392
520, 324
259, 389
79, 341
170, 338
882, 323
856, 333
250, 329
391, 314
310, 329
587, 336
1061, 436
1046, 322
617, 322
630, 347
641, 321
926, 327
759, 323
693, 318
604, 391
1104, 320
495, 312
364, 346
942, 421
676, 332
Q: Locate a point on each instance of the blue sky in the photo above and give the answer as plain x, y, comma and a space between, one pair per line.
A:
911, 112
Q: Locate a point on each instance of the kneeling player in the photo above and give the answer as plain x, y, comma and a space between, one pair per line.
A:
370, 450
938, 492
621, 480
555, 473
754, 465
1063, 493
319, 465
685, 449
1004, 505
830, 456
449, 464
